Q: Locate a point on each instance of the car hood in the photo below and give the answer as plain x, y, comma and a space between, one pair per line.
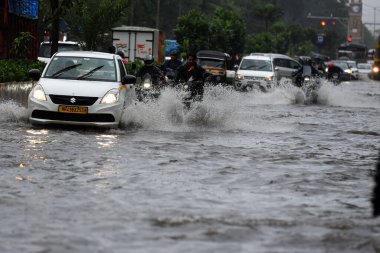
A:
255, 73
76, 87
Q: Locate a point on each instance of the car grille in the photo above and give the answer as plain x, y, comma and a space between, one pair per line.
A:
94, 117
72, 100
254, 78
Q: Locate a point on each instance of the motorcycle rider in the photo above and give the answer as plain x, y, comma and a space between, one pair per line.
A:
307, 69
334, 73
191, 72
149, 68
173, 63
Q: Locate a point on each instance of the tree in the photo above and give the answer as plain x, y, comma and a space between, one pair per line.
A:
54, 10
268, 13
227, 31
193, 27
92, 20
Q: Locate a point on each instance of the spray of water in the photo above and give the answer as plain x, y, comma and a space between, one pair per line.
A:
11, 111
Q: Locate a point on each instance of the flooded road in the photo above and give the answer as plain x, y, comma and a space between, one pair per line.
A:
241, 172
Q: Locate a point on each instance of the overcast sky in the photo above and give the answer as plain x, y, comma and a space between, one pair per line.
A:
368, 12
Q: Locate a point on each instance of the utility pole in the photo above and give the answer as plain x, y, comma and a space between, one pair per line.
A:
374, 21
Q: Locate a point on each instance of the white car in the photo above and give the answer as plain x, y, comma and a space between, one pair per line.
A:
259, 70
45, 49
81, 88
364, 68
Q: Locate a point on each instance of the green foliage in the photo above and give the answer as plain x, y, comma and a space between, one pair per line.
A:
227, 31
92, 21
194, 28
17, 70
21, 45
292, 40
267, 12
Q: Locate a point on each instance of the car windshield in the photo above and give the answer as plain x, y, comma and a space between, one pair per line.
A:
253, 64
342, 65
364, 66
211, 63
45, 49
79, 68
351, 64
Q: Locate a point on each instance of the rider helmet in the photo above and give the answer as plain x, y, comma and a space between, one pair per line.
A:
148, 60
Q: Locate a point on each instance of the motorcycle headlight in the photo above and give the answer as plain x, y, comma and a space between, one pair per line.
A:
38, 93
376, 69
112, 96
239, 77
307, 78
147, 85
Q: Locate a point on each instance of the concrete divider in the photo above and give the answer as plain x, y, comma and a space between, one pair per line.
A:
15, 91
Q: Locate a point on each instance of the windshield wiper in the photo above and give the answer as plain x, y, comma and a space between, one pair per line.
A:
89, 73
60, 72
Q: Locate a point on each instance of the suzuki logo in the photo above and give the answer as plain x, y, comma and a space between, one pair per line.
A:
73, 100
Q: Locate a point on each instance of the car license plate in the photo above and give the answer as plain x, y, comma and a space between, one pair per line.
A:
253, 82
73, 109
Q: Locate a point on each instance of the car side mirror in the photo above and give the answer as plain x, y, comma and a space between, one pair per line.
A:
276, 69
129, 79
35, 74
236, 67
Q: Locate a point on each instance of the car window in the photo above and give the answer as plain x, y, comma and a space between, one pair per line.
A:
284, 63
294, 64
364, 66
45, 49
253, 64
211, 63
86, 68
122, 68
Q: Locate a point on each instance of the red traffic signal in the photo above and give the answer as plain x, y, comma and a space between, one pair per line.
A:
333, 23
323, 23
349, 39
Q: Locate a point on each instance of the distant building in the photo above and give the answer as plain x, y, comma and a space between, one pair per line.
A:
18, 16
355, 25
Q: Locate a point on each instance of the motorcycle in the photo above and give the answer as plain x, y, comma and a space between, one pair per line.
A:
308, 81
147, 90
192, 91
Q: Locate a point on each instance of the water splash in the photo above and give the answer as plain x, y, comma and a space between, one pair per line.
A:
11, 111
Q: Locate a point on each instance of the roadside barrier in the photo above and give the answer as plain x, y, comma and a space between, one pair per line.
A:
15, 91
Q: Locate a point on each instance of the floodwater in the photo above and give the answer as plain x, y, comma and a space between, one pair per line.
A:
240, 172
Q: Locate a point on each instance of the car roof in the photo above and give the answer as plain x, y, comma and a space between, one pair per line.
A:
90, 54
267, 56
61, 43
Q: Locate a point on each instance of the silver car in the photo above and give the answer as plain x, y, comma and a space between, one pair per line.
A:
81, 88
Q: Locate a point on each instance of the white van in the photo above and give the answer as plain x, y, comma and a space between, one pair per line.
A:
45, 49
259, 70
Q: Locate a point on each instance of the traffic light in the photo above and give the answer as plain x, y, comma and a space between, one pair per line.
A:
349, 39
323, 23
333, 23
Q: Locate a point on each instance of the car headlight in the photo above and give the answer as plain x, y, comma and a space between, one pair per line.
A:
239, 77
307, 78
269, 78
376, 69
327, 69
111, 97
38, 93
349, 71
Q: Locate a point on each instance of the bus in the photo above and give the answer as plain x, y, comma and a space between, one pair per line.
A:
353, 51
